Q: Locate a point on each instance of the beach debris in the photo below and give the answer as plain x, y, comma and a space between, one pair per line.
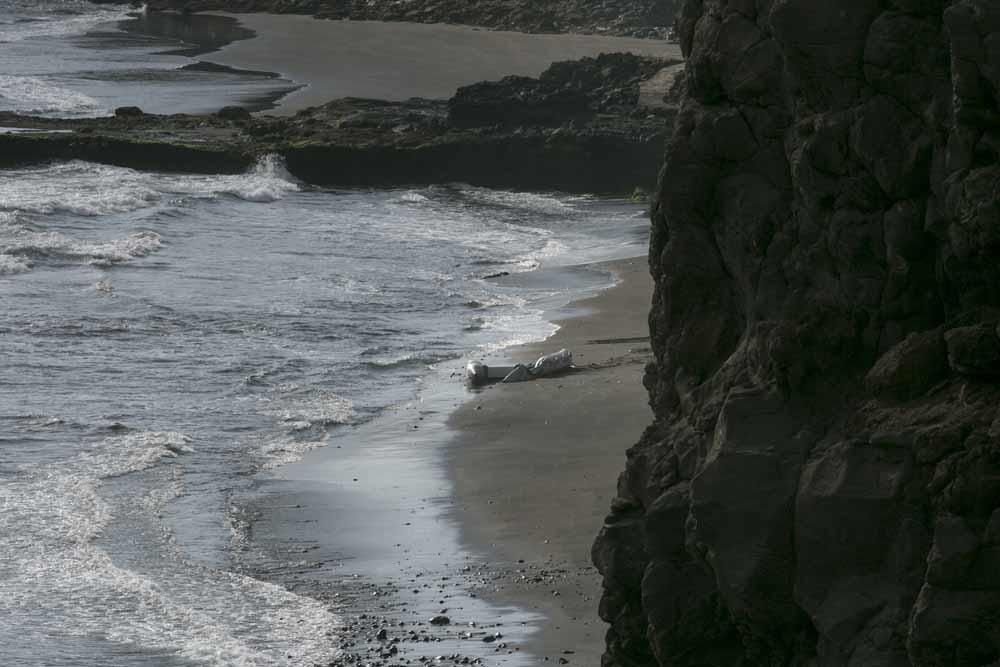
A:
478, 373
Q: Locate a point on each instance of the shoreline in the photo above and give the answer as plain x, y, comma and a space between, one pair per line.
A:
207, 34
402, 520
518, 133
571, 432
389, 60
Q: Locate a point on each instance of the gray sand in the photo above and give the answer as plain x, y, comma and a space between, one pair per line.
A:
485, 504
396, 61
534, 465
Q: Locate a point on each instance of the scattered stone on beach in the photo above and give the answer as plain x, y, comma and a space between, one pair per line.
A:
440, 619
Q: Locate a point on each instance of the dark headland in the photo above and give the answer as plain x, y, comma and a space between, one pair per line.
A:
821, 482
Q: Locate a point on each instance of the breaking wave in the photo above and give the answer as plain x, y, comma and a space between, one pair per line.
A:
89, 190
38, 97
9, 264
23, 244
183, 607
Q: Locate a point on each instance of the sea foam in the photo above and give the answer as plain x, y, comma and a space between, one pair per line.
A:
39, 97
55, 571
91, 190
61, 24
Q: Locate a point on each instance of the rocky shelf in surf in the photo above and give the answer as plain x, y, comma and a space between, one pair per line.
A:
634, 18
594, 125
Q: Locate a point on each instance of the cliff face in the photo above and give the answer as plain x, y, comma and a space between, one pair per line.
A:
638, 18
821, 484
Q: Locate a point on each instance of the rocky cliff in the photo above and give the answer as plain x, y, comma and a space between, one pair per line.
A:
638, 18
821, 484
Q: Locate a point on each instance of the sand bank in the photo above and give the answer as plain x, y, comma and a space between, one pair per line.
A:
397, 61
481, 506
534, 465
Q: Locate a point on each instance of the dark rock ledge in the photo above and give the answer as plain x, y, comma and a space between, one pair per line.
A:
821, 485
578, 128
633, 18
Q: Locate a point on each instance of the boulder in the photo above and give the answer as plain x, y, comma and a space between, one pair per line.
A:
129, 112
974, 350
234, 113
911, 367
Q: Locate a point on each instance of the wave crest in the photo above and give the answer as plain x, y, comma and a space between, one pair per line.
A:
38, 97
88, 189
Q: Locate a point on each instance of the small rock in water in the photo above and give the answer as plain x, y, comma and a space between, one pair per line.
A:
128, 112
440, 620
233, 113
382, 635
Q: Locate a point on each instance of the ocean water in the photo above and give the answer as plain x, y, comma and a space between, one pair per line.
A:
69, 58
167, 340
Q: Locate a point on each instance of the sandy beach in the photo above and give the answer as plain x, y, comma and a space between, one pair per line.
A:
534, 465
397, 61
479, 505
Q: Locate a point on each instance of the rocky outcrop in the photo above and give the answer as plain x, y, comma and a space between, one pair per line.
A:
576, 90
537, 139
636, 18
821, 485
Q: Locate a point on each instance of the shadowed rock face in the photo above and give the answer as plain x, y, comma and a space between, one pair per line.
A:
822, 481
583, 126
639, 18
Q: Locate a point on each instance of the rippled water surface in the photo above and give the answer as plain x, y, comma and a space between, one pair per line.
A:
167, 340
69, 58
167, 337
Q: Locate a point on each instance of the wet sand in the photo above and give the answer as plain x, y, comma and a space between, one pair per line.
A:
397, 61
479, 505
534, 465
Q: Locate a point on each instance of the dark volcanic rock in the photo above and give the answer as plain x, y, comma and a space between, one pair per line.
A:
638, 18
575, 90
605, 143
822, 480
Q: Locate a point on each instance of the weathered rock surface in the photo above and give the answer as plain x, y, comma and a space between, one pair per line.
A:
822, 481
636, 18
536, 138
577, 90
